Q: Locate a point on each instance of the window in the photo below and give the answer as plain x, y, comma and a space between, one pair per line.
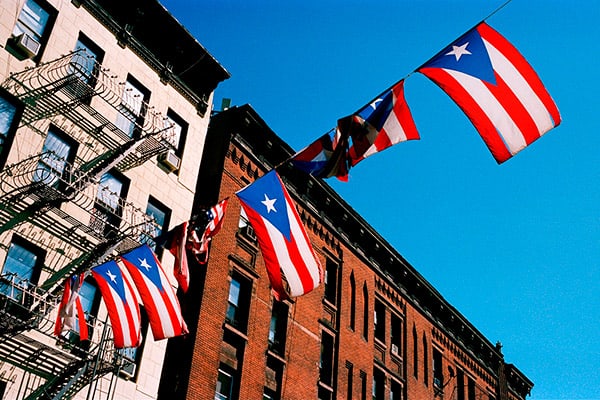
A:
363, 385
278, 327
350, 368
177, 133
57, 153
438, 372
244, 227
132, 108
134, 354
238, 302
22, 268
470, 389
10, 113
395, 391
365, 312
160, 215
324, 394
396, 335
32, 27
379, 321
352, 302
225, 382
415, 353
460, 385
268, 394
425, 361
378, 384
86, 66
108, 207
331, 269
274, 379
90, 301
326, 360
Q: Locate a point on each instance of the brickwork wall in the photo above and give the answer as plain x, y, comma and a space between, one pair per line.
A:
310, 315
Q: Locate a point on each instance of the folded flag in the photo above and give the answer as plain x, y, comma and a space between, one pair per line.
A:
325, 157
176, 245
70, 311
496, 88
383, 123
215, 216
158, 296
284, 243
121, 302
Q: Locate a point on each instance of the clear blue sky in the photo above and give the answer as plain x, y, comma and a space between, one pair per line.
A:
514, 247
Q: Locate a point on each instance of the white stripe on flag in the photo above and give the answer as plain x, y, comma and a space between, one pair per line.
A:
501, 119
521, 88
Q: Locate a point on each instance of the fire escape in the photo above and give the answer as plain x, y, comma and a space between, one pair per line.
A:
54, 204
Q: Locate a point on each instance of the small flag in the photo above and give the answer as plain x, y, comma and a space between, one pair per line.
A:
200, 246
70, 311
496, 88
379, 125
325, 157
121, 302
176, 245
158, 296
284, 243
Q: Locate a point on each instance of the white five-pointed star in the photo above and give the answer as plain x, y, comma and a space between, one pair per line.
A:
459, 51
374, 104
144, 264
112, 277
269, 203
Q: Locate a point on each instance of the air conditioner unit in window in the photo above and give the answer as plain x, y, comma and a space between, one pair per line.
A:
170, 160
395, 349
27, 44
128, 370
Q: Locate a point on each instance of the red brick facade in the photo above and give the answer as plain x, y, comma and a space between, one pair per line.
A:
375, 330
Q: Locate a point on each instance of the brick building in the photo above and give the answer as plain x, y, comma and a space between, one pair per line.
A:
375, 329
104, 107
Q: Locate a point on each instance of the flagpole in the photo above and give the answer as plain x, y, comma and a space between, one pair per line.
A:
500, 7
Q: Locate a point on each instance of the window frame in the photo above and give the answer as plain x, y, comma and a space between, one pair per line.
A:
41, 38
7, 138
183, 124
128, 113
49, 161
36, 268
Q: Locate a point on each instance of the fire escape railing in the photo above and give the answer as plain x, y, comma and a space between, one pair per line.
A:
63, 90
45, 193
65, 364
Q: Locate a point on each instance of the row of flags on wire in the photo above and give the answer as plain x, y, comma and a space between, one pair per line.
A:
481, 71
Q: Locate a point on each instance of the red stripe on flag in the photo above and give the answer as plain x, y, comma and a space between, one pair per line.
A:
471, 108
516, 58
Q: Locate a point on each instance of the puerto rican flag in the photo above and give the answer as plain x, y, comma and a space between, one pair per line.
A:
176, 245
121, 302
496, 88
384, 122
215, 219
158, 296
284, 243
325, 157
70, 311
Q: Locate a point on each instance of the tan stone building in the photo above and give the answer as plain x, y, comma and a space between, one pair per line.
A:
104, 107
